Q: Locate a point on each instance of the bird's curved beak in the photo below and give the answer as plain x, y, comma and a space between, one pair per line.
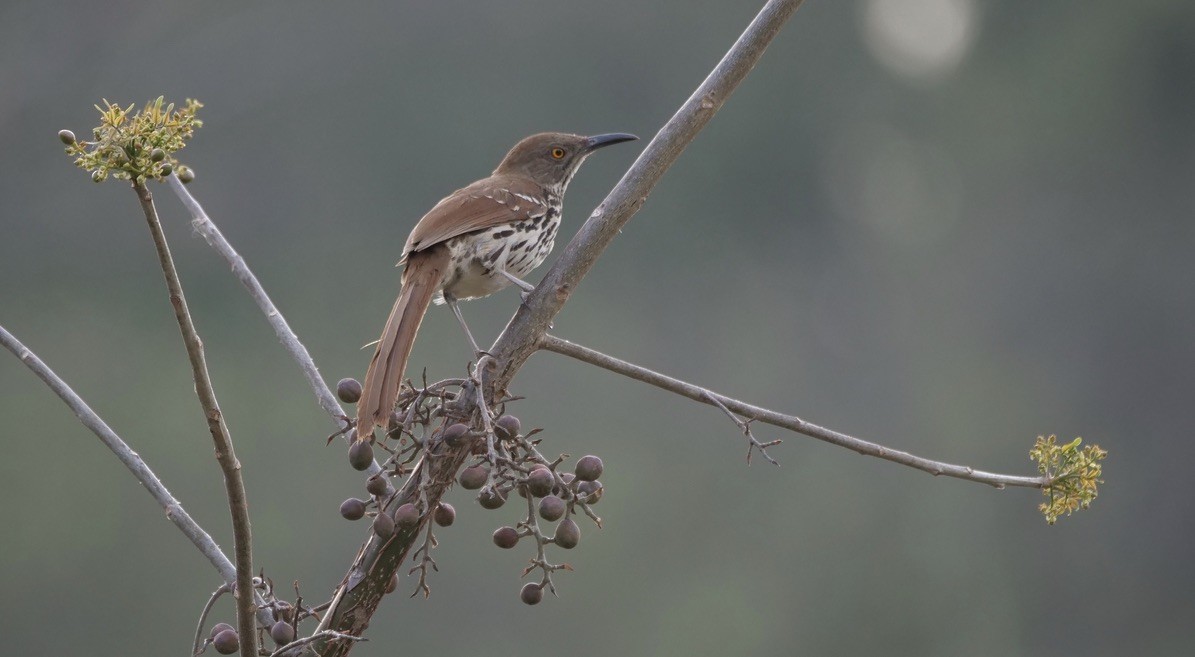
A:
598, 141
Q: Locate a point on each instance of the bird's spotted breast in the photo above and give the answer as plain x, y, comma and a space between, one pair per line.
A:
477, 258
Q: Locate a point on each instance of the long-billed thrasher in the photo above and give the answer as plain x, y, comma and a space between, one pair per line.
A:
471, 244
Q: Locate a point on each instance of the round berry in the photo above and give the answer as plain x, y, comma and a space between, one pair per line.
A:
506, 537
282, 633
568, 534
407, 516
551, 508
454, 433
540, 481
361, 455
352, 509
227, 642
507, 427
220, 627
349, 390
474, 477
491, 499
66, 136
589, 468
590, 492
531, 593
445, 515
376, 484
383, 525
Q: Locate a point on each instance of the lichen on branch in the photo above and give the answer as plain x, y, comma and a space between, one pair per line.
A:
136, 145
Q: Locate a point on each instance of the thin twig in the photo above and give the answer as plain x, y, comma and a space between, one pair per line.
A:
215, 239
744, 426
224, 588
131, 460
534, 317
234, 486
792, 422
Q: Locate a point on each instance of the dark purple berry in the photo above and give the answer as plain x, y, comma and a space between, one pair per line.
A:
590, 492
220, 627
407, 516
227, 642
361, 455
506, 537
540, 481
589, 468
282, 633
474, 477
491, 499
445, 515
383, 525
568, 534
376, 484
349, 390
66, 136
507, 427
454, 433
531, 593
551, 508
352, 509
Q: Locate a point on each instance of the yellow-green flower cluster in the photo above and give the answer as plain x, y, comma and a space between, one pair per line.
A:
1074, 473
136, 146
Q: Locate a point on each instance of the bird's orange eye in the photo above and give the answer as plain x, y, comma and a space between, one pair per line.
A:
557, 153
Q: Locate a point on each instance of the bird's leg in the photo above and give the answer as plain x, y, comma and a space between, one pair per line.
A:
456, 310
528, 288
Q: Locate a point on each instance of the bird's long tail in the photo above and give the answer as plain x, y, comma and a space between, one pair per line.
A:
425, 272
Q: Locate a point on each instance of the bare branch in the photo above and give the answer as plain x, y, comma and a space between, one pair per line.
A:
792, 422
131, 460
518, 341
207, 608
233, 484
207, 228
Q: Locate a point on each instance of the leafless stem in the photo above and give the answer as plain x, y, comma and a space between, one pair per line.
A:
234, 486
207, 608
791, 422
131, 460
207, 228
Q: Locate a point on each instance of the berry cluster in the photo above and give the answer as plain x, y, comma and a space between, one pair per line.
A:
428, 426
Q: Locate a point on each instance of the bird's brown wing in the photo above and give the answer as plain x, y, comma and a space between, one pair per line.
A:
487, 203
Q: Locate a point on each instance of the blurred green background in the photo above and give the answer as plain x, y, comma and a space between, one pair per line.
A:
944, 225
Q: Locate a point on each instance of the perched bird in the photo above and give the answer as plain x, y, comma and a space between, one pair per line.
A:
471, 244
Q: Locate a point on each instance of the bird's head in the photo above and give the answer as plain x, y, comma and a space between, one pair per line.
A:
551, 158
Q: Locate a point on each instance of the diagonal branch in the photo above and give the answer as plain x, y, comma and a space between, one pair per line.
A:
791, 422
518, 341
131, 460
357, 597
238, 502
207, 228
